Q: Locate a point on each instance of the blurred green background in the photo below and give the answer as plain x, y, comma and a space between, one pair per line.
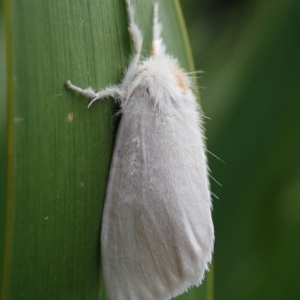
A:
249, 52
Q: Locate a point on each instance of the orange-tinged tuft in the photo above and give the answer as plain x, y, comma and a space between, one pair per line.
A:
181, 78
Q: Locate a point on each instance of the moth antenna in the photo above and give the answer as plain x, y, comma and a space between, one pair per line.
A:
158, 46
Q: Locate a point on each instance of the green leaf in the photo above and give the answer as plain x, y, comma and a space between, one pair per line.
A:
3, 137
59, 152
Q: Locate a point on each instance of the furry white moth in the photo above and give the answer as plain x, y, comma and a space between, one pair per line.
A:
157, 232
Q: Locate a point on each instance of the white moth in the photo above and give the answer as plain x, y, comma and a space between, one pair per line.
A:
157, 232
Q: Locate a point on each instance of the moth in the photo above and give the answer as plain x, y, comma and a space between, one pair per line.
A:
157, 233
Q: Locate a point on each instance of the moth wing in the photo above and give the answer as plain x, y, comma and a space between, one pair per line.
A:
157, 233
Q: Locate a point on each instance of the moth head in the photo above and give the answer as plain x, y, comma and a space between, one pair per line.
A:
162, 76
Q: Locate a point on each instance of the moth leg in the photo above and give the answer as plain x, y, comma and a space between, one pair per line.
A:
88, 92
111, 91
137, 41
135, 33
158, 46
